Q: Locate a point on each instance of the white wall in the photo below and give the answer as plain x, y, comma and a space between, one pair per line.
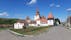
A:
38, 22
43, 24
36, 17
32, 24
36, 25
50, 22
18, 25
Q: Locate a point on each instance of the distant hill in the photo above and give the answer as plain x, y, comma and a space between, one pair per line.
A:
8, 20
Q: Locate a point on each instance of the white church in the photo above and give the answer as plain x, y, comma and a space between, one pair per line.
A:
39, 21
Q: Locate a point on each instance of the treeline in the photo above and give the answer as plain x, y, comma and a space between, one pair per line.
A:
7, 20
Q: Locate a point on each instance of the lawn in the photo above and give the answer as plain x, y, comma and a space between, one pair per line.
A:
3, 29
31, 30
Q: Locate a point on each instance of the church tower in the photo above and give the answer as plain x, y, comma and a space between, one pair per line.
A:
50, 19
37, 16
28, 19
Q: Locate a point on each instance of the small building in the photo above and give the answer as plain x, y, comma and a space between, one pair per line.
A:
69, 21
19, 25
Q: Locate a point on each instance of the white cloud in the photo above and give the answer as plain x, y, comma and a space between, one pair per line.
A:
51, 5
57, 5
3, 14
32, 2
54, 5
69, 9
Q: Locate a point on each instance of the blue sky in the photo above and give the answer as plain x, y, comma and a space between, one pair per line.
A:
22, 8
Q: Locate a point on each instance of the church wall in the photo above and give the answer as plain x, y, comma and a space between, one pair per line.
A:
43, 24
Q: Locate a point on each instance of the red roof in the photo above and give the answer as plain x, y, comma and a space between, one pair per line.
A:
50, 15
43, 19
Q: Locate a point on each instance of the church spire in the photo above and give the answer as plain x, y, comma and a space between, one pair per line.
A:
37, 16
50, 15
37, 11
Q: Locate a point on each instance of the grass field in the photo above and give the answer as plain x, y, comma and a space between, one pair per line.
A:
31, 30
3, 29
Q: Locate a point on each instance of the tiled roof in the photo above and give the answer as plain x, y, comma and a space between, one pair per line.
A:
43, 19
50, 15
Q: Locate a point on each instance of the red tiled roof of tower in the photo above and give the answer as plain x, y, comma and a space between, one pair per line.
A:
50, 15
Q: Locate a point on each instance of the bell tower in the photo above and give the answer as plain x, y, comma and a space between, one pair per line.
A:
50, 19
37, 16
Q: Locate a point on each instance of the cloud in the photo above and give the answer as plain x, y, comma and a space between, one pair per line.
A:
3, 14
69, 9
32, 2
51, 5
57, 5
54, 5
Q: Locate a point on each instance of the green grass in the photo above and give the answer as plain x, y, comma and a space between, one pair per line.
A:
31, 30
3, 29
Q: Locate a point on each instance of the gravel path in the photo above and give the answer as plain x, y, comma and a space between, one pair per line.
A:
5, 35
54, 33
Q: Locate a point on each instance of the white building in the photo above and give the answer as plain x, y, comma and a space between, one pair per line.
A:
42, 21
38, 21
50, 19
18, 25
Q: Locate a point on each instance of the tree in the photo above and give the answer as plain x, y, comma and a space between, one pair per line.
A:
57, 21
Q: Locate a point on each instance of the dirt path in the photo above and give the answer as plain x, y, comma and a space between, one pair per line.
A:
54, 33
